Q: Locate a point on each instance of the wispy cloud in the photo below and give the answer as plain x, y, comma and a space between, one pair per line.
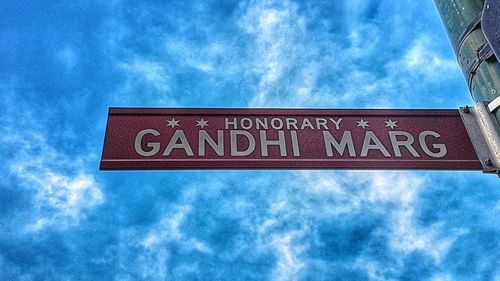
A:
63, 191
59, 186
289, 216
279, 31
150, 72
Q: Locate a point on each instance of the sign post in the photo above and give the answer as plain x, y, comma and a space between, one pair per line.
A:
155, 138
473, 27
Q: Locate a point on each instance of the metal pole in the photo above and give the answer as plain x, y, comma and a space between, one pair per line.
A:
473, 27
481, 68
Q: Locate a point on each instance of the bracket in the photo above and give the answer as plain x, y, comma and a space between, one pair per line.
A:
484, 132
488, 22
494, 105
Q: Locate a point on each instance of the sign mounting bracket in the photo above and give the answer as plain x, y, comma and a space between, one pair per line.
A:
494, 104
483, 131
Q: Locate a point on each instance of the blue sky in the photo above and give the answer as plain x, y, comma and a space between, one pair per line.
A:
63, 63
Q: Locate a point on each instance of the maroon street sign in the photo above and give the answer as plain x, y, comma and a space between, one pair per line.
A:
196, 138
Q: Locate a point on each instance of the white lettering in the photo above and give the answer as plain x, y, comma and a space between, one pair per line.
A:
295, 143
261, 125
234, 123
340, 147
406, 143
234, 143
155, 146
321, 122
218, 147
291, 122
264, 143
377, 145
306, 123
178, 135
273, 123
249, 123
423, 144
336, 122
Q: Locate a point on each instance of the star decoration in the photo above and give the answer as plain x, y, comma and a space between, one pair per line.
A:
362, 123
391, 123
173, 122
202, 123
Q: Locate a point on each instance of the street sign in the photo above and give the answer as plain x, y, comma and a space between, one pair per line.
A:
189, 138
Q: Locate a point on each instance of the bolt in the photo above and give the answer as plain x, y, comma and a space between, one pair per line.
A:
466, 109
488, 162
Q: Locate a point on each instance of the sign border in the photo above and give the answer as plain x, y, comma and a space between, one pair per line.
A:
284, 164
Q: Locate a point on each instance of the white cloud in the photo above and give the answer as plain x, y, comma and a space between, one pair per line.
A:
64, 192
205, 58
168, 230
278, 30
151, 247
151, 72
393, 194
283, 220
422, 59
288, 250
406, 236
300, 66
